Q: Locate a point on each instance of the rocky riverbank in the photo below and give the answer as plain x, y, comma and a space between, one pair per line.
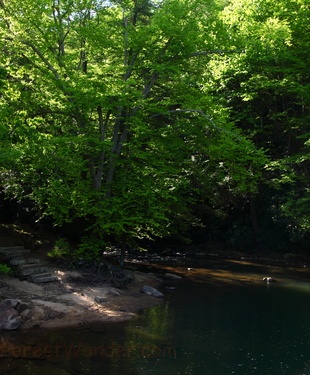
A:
75, 300
80, 297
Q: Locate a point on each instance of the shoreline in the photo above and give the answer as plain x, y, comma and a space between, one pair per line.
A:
71, 304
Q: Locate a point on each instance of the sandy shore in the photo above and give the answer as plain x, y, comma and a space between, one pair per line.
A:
71, 301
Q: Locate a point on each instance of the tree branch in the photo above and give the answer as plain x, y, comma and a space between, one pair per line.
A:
147, 88
200, 112
43, 58
221, 52
130, 66
215, 52
119, 137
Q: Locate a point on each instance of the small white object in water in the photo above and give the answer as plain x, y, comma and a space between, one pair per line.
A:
269, 279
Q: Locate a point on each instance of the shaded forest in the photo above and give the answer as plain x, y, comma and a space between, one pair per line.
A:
173, 123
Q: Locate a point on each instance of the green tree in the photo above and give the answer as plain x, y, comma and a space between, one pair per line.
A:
267, 87
107, 107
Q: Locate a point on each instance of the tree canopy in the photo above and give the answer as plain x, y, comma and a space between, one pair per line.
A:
134, 115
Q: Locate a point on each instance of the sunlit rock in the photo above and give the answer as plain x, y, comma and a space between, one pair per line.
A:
100, 299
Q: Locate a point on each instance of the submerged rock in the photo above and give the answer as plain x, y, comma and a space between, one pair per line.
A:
151, 291
172, 276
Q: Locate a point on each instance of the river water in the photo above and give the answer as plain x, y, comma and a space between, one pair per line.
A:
201, 328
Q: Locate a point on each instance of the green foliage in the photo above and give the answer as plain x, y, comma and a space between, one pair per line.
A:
267, 88
97, 137
61, 250
90, 248
4, 269
129, 115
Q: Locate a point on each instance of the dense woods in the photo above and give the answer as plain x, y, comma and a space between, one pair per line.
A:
122, 121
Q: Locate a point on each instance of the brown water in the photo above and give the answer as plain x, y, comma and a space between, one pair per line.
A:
202, 328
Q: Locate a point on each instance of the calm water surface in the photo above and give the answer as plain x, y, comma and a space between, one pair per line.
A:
200, 329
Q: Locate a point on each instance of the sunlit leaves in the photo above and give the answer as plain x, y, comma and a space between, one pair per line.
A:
267, 87
110, 107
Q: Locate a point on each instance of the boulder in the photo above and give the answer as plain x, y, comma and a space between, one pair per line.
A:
100, 299
151, 291
9, 313
21, 307
25, 313
9, 319
9, 303
11, 325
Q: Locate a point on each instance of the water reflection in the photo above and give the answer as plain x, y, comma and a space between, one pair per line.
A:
217, 328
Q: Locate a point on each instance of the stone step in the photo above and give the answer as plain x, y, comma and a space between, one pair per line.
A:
23, 261
42, 278
17, 261
10, 248
15, 256
33, 261
26, 268
9, 258
5, 250
31, 269
36, 275
11, 253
